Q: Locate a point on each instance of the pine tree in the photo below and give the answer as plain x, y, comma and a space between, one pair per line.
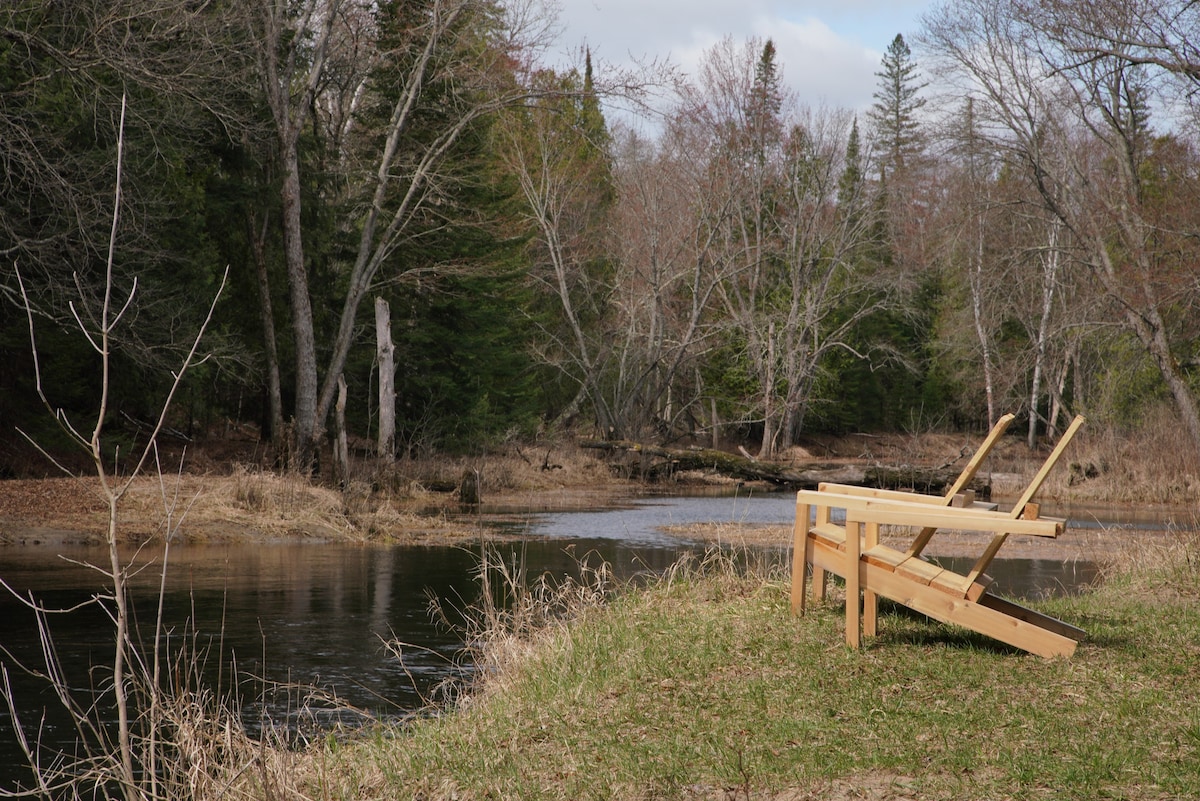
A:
850, 183
765, 102
897, 103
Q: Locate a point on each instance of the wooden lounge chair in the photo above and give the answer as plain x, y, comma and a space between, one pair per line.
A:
907, 578
954, 496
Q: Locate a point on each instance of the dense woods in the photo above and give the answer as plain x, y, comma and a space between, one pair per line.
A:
416, 188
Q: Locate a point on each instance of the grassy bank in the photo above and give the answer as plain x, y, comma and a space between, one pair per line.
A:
703, 686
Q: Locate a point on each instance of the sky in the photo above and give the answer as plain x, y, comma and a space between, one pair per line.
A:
829, 49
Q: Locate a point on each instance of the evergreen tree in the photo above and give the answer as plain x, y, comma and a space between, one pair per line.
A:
897, 102
65, 69
850, 184
765, 103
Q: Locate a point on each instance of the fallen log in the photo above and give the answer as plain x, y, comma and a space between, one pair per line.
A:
653, 462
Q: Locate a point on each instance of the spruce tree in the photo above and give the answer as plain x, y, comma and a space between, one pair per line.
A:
897, 101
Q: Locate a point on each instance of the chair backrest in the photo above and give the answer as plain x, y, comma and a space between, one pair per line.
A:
981, 453
1036, 484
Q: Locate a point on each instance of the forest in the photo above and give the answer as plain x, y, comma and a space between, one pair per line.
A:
434, 237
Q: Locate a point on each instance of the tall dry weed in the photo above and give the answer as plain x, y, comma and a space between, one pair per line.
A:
1148, 465
1158, 565
515, 610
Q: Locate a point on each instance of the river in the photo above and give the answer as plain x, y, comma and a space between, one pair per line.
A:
319, 613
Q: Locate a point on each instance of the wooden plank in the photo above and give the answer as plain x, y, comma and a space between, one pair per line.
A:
1031, 616
883, 556
976, 590
995, 623
882, 494
832, 533
799, 556
820, 518
989, 553
960, 587
902, 495
870, 598
867, 510
981, 453
933, 512
1048, 465
917, 569
921, 540
852, 575
952, 583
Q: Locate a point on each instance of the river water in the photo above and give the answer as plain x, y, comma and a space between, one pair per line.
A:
319, 613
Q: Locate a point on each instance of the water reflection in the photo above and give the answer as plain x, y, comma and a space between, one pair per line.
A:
642, 523
314, 614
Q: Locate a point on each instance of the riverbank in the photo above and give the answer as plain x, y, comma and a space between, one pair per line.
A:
277, 509
416, 502
703, 686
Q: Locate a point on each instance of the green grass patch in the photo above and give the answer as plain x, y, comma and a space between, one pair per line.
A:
704, 686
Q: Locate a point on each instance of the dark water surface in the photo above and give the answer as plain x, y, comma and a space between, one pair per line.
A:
318, 613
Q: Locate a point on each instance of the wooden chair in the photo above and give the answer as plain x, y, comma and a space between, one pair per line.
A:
907, 578
954, 496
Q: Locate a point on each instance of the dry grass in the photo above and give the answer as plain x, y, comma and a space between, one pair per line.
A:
1157, 565
405, 501
1104, 465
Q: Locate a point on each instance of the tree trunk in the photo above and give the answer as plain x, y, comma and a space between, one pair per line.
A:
653, 462
385, 355
308, 428
981, 332
1151, 330
289, 110
270, 346
1049, 283
716, 424
767, 449
341, 447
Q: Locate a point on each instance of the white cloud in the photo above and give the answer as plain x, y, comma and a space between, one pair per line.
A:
829, 50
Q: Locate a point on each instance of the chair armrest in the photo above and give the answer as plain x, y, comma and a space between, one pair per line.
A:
922, 515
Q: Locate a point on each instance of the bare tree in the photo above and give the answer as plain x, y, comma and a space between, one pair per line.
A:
790, 234
562, 172
667, 273
971, 168
1072, 113
472, 51
294, 48
136, 762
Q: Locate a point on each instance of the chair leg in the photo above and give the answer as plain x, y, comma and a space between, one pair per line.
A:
801, 558
870, 599
853, 582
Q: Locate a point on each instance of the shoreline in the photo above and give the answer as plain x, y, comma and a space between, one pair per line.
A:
267, 508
